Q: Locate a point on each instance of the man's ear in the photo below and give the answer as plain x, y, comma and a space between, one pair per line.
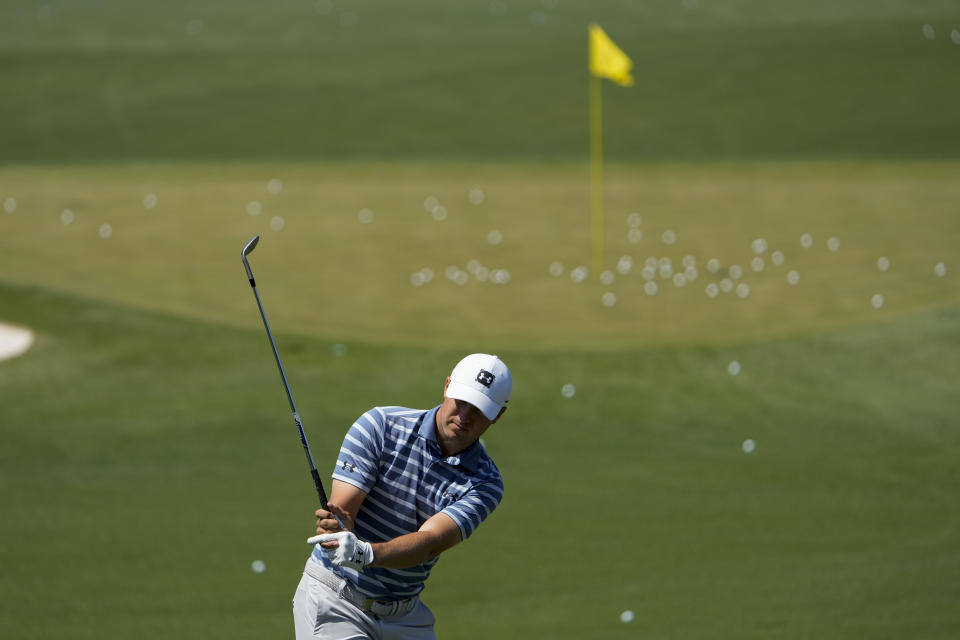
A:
445, 385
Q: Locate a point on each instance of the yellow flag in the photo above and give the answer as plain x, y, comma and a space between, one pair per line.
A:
607, 60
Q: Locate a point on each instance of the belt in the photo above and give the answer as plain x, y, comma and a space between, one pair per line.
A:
381, 608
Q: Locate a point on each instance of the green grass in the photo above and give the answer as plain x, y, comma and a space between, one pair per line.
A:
757, 80
148, 460
328, 274
147, 455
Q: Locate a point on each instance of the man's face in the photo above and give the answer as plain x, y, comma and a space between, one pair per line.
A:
459, 424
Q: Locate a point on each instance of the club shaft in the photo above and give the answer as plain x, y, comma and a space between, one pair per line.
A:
293, 407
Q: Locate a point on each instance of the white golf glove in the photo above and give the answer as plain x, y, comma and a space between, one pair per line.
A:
351, 552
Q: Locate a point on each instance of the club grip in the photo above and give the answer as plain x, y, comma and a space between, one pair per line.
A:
320, 492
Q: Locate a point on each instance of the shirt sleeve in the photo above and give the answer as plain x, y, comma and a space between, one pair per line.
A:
474, 506
359, 458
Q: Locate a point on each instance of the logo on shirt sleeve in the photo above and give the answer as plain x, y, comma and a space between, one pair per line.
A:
485, 378
349, 468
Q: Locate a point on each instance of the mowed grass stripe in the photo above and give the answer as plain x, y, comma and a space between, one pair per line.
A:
326, 272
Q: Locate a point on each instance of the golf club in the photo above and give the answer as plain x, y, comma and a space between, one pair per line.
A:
293, 407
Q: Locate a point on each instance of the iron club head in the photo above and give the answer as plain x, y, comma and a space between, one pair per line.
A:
250, 246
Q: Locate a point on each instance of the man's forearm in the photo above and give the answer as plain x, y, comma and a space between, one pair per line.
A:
408, 550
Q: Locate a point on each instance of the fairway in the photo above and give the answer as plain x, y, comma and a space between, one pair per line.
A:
744, 425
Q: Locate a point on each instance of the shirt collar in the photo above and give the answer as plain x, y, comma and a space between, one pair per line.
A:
469, 458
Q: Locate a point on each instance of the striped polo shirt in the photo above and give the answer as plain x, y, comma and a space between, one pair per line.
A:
392, 454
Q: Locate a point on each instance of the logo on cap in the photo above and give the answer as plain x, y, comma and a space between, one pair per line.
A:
485, 378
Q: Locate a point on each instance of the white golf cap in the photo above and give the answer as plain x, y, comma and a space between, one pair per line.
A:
482, 380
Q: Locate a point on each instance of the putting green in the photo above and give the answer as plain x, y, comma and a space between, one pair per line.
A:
344, 248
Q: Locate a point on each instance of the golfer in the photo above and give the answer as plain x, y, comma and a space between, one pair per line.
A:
408, 485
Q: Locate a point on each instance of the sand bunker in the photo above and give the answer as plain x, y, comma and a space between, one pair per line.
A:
14, 341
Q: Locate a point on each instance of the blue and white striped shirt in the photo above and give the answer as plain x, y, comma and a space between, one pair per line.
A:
392, 454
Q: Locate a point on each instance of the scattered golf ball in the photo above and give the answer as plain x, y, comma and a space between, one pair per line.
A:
476, 196
648, 272
689, 261
150, 201
955, 37
556, 269
749, 446
606, 278
713, 290
500, 276
743, 290
626, 617
579, 274
634, 220
417, 279
609, 299
258, 566
624, 265
733, 368
430, 203
10, 205
759, 246
338, 349
254, 208
106, 231
877, 301
568, 390
777, 258
495, 237
67, 216
726, 285
833, 243
275, 186
634, 235
757, 264
439, 213
651, 288
735, 272
940, 269
713, 265
365, 216
793, 278
669, 236
806, 241
679, 280
883, 264
929, 32
277, 223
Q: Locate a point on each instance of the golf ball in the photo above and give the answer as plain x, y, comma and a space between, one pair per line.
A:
626, 617
733, 368
568, 390
258, 566
749, 446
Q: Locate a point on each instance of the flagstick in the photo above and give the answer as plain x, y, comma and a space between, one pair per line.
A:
596, 171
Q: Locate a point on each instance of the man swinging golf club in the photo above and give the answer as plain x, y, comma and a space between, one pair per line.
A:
408, 485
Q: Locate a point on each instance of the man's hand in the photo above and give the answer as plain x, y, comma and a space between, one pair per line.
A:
332, 521
344, 549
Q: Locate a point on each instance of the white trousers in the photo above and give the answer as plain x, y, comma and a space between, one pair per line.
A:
320, 614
